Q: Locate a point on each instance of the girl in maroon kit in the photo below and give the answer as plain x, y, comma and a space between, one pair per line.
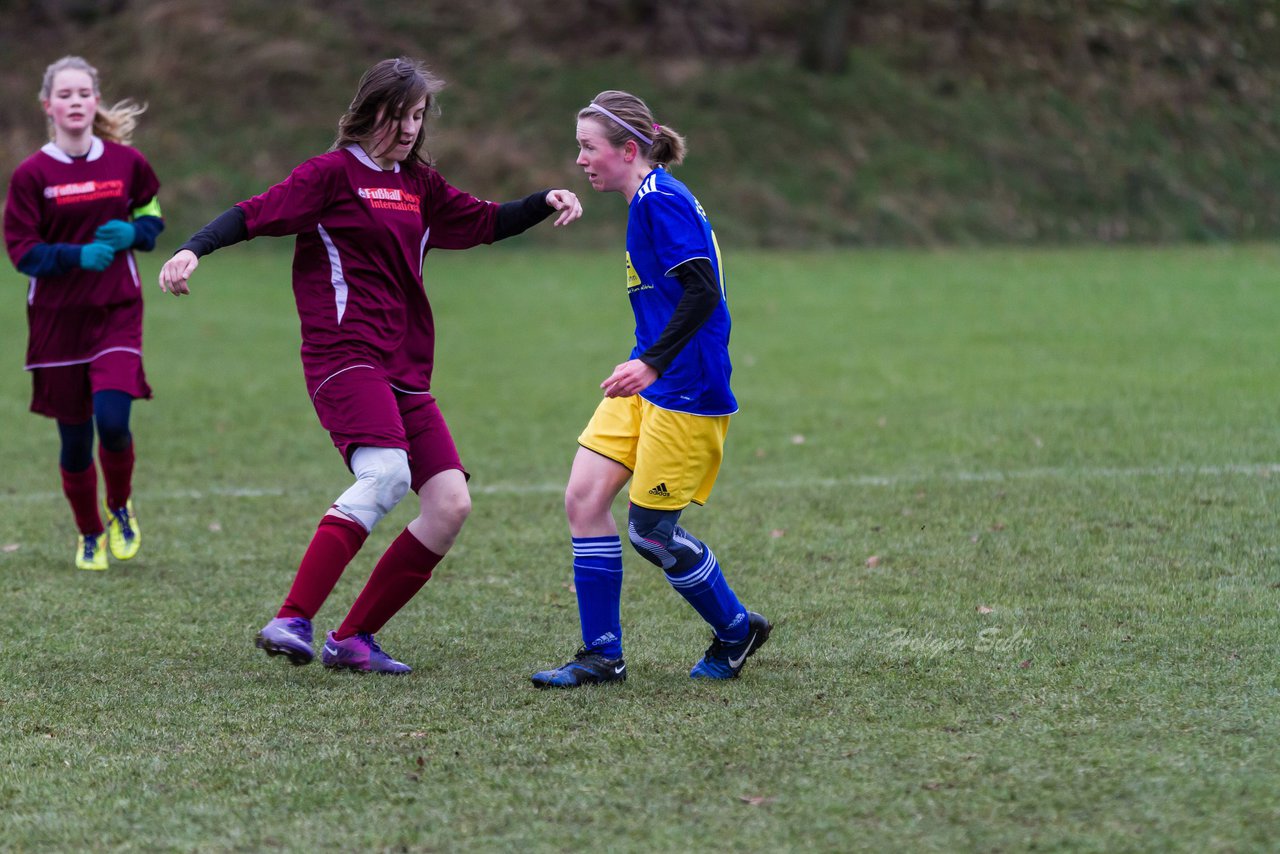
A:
365, 215
75, 212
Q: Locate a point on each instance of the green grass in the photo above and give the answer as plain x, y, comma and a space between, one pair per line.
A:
1083, 442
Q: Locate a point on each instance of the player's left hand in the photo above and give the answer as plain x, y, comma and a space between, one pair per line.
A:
177, 271
568, 205
631, 377
116, 233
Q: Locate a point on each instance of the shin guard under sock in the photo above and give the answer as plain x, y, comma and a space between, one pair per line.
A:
399, 575
334, 544
81, 489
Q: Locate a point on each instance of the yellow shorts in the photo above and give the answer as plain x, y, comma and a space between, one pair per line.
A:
674, 457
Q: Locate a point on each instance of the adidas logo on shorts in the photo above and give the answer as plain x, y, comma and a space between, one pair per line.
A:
660, 490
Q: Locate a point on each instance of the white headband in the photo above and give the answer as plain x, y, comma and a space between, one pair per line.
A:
599, 109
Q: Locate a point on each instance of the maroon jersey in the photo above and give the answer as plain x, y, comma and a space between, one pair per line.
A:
363, 233
54, 198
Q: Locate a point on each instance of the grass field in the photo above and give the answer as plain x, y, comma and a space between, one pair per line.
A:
1012, 514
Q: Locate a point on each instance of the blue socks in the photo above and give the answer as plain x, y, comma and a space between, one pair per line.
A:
705, 589
597, 576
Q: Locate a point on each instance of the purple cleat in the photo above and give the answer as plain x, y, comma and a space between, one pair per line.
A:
360, 652
287, 636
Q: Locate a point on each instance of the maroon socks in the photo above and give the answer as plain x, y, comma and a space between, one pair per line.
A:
81, 489
334, 544
117, 472
399, 575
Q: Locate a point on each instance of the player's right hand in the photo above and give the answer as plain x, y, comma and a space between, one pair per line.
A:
96, 256
176, 271
116, 233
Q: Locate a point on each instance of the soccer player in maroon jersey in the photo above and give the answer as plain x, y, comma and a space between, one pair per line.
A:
76, 210
365, 215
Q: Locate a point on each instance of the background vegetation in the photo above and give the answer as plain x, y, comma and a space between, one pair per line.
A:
1073, 448
812, 122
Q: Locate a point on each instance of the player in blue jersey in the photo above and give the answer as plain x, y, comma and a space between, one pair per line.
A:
665, 412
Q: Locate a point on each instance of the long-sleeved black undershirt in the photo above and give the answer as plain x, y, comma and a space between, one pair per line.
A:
226, 229
521, 215
229, 228
701, 296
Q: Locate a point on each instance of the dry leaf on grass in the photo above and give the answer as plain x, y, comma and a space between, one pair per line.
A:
756, 800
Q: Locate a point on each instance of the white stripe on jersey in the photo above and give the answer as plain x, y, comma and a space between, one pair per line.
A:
335, 274
650, 185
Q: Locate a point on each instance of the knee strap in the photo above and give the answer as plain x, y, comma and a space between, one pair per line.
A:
659, 540
382, 479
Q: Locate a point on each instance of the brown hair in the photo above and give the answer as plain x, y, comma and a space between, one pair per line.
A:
116, 122
385, 92
666, 146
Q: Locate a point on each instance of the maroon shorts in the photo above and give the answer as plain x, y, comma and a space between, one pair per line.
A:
66, 392
359, 408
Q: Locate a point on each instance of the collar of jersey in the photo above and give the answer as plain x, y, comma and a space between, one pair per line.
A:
95, 151
364, 158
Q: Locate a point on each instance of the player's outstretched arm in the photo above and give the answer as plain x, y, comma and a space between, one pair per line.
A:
522, 214
176, 271
226, 229
568, 205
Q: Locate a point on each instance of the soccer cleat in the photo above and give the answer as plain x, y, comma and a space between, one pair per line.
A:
91, 552
123, 533
360, 652
287, 636
587, 668
724, 660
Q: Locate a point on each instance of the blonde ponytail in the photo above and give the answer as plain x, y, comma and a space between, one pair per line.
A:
118, 121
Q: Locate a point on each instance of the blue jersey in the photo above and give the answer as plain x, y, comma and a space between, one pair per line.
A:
665, 228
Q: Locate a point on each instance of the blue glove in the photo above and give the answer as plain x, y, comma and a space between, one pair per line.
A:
116, 233
97, 256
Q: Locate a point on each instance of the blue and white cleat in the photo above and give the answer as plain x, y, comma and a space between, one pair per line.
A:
724, 660
587, 668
